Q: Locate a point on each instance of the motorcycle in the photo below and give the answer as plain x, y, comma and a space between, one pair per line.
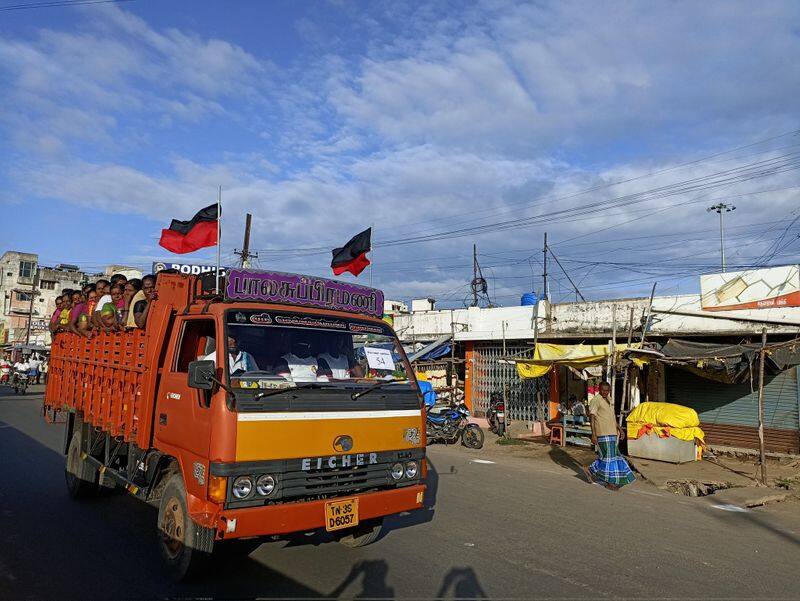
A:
19, 382
496, 414
451, 424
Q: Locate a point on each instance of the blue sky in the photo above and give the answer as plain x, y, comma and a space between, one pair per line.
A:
600, 123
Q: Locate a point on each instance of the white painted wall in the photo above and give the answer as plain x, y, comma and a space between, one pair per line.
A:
588, 319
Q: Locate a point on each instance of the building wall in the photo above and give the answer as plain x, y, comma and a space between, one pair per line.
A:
13, 282
589, 320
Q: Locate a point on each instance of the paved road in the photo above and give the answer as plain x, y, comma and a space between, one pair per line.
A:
514, 529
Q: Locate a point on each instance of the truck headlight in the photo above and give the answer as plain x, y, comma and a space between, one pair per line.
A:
411, 469
242, 487
265, 485
397, 471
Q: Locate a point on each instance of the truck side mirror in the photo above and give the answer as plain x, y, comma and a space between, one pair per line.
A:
202, 374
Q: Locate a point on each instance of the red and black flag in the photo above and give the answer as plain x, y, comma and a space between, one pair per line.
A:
188, 236
352, 256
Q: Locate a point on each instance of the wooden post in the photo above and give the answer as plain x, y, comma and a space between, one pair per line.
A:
625, 405
612, 355
761, 452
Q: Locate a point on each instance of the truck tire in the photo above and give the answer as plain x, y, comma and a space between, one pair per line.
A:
363, 534
185, 545
81, 475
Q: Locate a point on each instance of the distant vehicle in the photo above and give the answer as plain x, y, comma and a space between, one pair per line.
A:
305, 417
19, 382
451, 424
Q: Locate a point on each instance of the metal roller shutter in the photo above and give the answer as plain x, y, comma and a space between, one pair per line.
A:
729, 412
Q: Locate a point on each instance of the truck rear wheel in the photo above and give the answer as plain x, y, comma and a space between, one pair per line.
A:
81, 476
363, 534
185, 545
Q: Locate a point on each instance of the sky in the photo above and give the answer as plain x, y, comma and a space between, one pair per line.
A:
610, 126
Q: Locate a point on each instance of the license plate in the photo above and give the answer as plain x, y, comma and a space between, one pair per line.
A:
341, 514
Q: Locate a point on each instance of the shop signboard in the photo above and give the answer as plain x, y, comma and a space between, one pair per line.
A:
305, 290
187, 268
751, 289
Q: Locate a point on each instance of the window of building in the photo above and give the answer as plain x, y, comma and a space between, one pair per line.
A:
47, 285
24, 296
26, 269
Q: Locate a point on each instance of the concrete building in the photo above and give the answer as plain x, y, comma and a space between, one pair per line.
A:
486, 337
29, 290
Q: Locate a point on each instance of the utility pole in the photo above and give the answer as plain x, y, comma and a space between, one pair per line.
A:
245, 253
544, 273
478, 284
34, 292
721, 208
474, 274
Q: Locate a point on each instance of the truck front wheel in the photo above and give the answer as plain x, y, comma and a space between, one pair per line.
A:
363, 534
81, 476
185, 545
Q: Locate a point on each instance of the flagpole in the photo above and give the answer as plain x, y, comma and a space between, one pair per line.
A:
371, 237
219, 233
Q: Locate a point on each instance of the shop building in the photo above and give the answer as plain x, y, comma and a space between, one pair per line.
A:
487, 340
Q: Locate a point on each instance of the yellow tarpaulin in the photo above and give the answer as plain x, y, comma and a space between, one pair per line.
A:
665, 419
574, 355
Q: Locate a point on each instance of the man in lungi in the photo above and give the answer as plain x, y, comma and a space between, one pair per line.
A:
610, 468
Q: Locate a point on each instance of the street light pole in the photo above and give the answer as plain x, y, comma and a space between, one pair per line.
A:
721, 208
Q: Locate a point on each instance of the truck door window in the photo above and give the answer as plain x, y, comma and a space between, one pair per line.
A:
197, 342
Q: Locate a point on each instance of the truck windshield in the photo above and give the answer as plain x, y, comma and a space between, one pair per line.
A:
268, 349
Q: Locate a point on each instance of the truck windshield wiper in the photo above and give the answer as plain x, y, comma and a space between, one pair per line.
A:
357, 395
262, 395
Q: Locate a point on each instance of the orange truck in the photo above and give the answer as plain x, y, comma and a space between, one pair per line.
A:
269, 405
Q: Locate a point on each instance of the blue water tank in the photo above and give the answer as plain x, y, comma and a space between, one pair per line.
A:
528, 299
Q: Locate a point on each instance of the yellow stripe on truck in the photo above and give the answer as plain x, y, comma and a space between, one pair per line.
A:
291, 435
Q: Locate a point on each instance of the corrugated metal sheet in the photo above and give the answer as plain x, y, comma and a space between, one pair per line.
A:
736, 404
729, 412
746, 437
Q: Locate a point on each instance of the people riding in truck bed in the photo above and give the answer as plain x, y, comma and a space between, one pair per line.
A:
105, 305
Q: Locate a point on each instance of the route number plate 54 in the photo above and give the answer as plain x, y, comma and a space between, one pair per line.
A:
341, 514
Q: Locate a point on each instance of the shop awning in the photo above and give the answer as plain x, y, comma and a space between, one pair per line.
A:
438, 348
577, 356
729, 363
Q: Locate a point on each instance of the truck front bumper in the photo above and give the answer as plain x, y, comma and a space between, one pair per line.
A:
286, 518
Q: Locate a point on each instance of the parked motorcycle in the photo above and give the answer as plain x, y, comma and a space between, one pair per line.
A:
19, 382
496, 414
451, 424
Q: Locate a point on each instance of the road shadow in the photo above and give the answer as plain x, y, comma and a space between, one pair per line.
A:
461, 583
373, 575
736, 519
101, 548
560, 457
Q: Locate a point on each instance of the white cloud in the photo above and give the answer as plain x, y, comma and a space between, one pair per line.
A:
79, 85
543, 76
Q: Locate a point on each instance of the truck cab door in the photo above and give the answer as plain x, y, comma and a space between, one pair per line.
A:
183, 415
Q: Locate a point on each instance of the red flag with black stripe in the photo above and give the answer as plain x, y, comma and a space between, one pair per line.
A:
352, 256
188, 236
